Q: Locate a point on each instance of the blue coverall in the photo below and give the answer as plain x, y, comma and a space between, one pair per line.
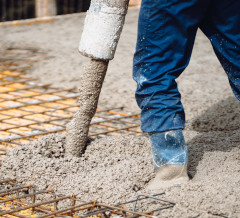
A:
166, 34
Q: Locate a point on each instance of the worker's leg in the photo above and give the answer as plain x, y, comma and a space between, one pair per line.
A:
166, 34
222, 27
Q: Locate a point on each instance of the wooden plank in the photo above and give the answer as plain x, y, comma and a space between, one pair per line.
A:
135, 2
45, 8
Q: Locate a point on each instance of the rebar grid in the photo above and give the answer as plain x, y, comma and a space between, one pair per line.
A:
29, 110
25, 201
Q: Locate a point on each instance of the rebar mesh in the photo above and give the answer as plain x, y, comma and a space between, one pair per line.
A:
29, 110
25, 201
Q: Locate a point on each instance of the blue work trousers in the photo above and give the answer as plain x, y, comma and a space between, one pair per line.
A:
166, 34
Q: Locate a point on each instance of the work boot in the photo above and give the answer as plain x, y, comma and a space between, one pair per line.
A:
170, 156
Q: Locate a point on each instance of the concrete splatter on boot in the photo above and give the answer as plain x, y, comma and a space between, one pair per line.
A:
170, 156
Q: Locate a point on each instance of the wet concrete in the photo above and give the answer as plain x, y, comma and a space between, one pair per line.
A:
90, 87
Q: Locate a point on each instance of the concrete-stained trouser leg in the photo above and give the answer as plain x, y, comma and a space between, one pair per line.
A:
90, 88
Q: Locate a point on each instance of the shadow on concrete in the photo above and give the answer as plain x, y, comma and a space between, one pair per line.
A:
219, 128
